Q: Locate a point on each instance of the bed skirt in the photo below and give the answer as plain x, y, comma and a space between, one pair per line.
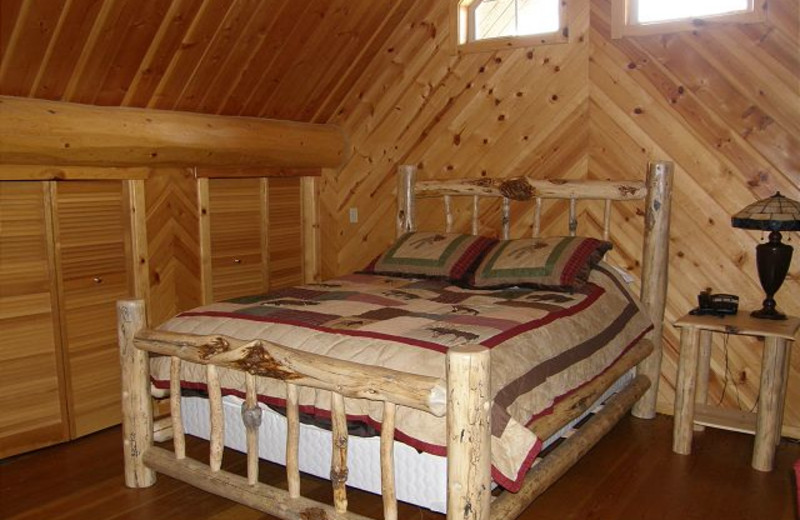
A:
421, 478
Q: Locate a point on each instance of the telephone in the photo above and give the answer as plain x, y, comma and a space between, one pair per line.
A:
716, 304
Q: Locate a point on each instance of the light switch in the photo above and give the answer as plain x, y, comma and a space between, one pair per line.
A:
353, 215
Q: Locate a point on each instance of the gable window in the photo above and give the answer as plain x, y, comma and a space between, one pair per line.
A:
496, 24
642, 17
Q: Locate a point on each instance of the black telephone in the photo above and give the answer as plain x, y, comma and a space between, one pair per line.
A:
716, 304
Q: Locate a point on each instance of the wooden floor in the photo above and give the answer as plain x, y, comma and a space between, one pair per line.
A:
631, 474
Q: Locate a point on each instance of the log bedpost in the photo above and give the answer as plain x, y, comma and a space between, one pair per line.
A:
468, 433
406, 205
137, 410
655, 260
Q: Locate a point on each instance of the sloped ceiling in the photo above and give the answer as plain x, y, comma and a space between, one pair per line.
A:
285, 59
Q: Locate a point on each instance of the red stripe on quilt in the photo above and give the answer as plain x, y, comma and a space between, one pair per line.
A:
591, 297
344, 332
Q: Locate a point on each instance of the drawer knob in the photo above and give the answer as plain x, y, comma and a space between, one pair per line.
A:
97, 279
237, 260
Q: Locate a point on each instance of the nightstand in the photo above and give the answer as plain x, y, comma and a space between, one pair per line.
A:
695, 356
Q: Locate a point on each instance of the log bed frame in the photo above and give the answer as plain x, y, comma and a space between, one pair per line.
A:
464, 397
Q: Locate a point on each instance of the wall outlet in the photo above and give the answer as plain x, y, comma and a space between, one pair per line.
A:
353, 215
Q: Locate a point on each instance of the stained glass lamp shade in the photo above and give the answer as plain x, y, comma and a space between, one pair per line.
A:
774, 214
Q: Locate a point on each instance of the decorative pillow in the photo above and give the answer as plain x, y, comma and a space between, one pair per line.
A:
558, 263
432, 255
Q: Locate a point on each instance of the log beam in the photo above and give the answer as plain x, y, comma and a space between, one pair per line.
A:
35, 131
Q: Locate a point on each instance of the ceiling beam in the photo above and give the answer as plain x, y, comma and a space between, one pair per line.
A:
35, 131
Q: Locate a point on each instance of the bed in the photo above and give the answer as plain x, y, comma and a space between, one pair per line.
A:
447, 368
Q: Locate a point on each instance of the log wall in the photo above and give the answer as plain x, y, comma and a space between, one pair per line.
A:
721, 102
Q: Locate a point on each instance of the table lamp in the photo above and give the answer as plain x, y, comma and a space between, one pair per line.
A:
773, 214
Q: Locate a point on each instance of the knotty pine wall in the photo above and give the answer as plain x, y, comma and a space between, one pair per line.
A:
723, 103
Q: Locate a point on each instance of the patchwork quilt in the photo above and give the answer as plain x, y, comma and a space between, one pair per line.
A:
544, 345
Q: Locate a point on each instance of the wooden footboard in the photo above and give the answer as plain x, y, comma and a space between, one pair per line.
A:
465, 399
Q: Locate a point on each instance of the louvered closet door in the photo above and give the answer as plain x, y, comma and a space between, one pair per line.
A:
91, 238
32, 413
237, 211
285, 233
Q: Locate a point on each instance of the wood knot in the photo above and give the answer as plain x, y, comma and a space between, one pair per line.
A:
259, 362
214, 347
483, 183
339, 477
313, 513
626, 191
517, 189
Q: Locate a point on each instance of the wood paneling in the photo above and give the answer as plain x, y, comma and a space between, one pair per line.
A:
281, 59
90, 231
173, 243
501, 113
31, 376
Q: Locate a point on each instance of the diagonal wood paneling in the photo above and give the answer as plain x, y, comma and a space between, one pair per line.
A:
724, 104
503, 113
173, 244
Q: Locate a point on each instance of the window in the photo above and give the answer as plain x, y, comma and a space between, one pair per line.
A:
496, 24
642, 17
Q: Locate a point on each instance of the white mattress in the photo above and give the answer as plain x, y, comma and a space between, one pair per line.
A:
420, 478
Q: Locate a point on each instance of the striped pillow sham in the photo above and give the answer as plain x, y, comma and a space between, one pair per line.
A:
432, 255
555, 263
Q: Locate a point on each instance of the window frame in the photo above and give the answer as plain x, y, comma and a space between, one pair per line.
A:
462, 27
622, 12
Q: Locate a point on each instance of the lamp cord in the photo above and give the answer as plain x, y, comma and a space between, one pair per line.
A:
728, 377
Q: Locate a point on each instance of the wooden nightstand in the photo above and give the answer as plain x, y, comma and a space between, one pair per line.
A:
696, 355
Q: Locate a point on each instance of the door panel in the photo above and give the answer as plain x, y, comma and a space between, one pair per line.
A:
237, 211
92, 257
32, 406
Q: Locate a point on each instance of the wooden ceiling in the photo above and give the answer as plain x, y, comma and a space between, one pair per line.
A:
284, 59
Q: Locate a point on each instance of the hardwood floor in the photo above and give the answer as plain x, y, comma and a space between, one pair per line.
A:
631, 474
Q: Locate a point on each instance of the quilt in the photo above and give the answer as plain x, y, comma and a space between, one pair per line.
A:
544, 345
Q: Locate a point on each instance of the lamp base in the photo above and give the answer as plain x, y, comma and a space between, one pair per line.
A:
768, 314
773, 259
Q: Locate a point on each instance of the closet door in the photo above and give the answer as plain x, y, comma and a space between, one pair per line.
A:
91, 238
237, 216
285, 233
32, 406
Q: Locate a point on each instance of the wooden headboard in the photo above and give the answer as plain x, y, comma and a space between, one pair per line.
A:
656, 190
